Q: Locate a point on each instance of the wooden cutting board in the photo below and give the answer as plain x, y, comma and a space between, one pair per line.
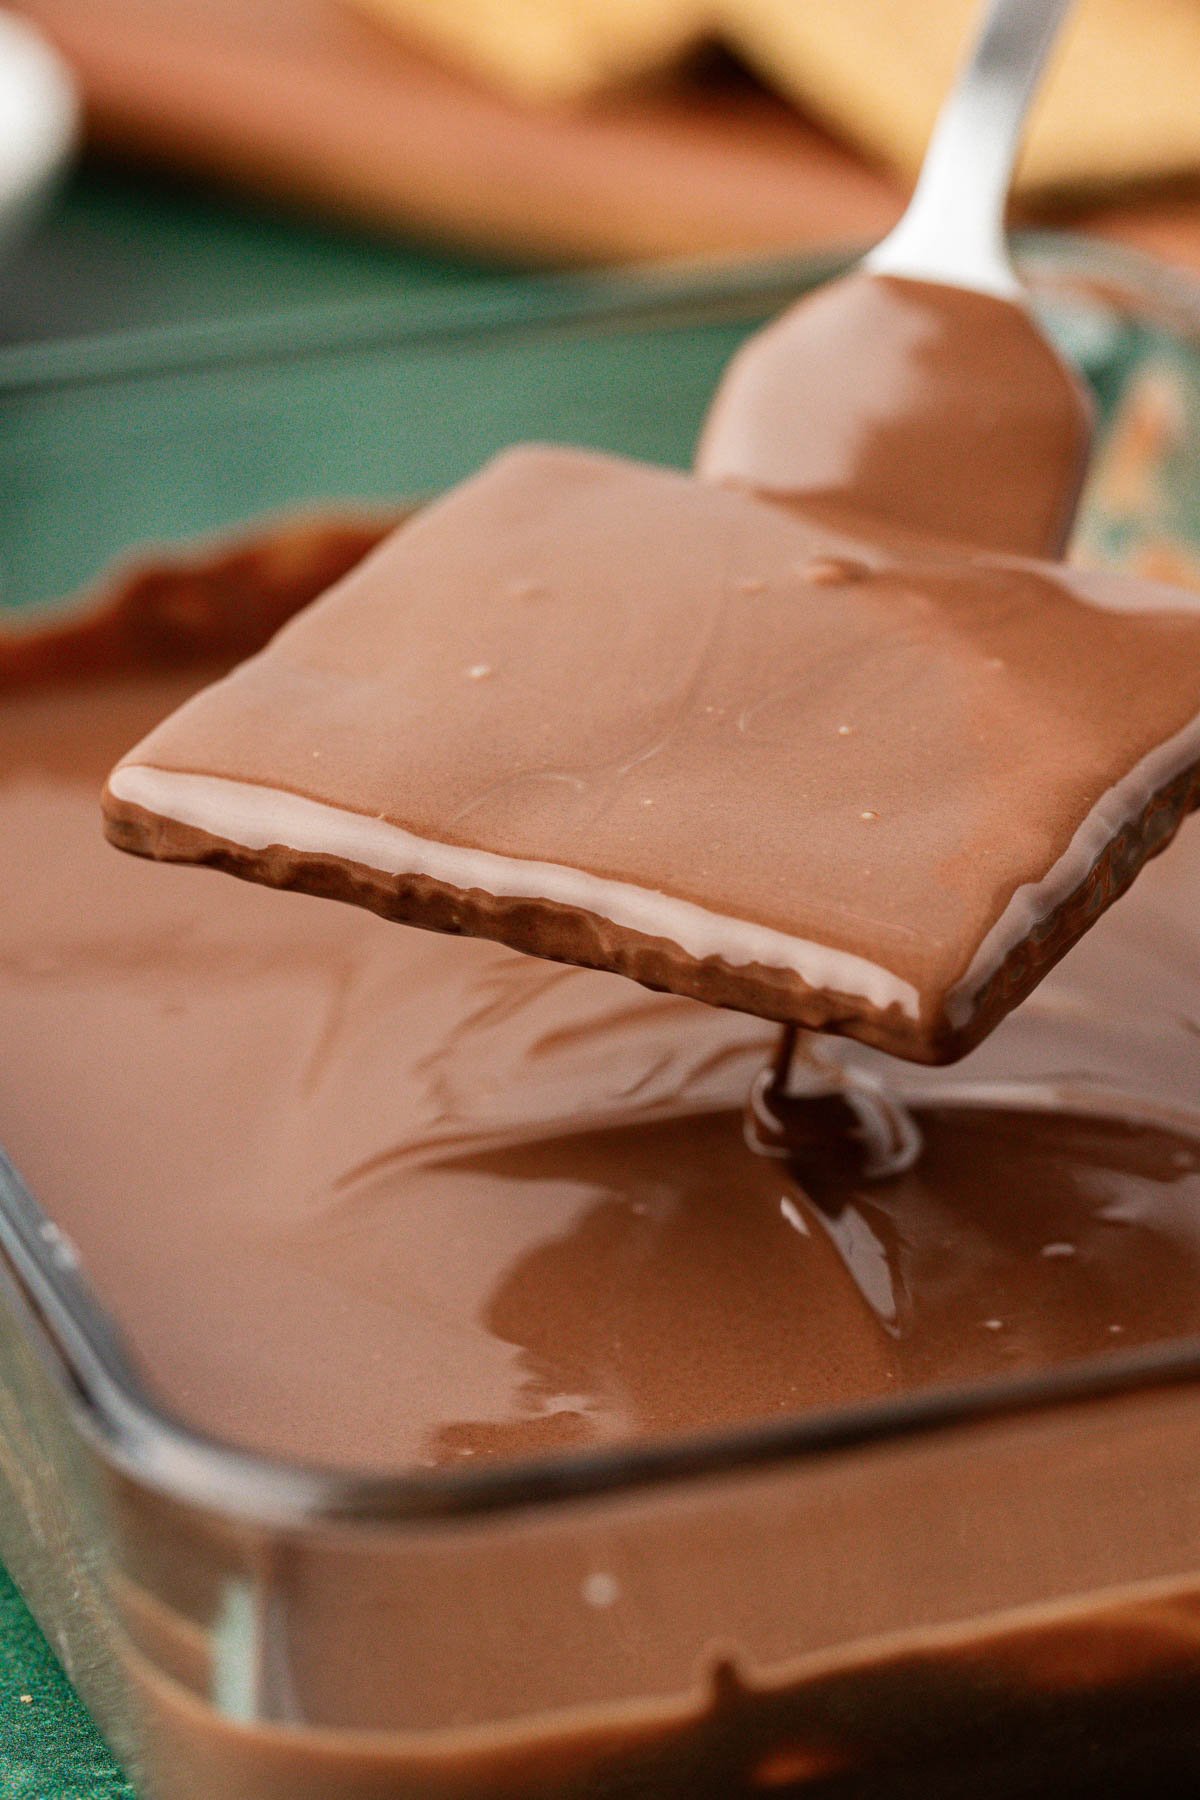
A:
308, 101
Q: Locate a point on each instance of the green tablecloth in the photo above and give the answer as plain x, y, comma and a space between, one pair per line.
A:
119, 253
49, 1748
116, 252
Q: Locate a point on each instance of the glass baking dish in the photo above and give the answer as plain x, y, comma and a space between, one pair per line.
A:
712, 1616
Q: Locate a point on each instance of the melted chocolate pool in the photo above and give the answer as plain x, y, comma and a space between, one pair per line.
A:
516, 1206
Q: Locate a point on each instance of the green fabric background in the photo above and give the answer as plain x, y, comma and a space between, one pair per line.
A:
49, 1747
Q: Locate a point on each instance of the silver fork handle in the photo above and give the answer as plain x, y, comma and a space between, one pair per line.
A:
953, 228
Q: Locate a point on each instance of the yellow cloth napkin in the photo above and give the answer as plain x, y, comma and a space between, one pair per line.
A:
549, 51
1121, 104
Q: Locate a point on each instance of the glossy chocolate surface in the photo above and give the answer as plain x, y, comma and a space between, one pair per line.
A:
613, 715
371, 1197
914, 403
512, 1202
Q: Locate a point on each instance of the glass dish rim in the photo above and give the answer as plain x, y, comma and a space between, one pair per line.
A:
622, 295
41, 1279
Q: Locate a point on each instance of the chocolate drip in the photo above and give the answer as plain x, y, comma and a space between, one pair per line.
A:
828, 1114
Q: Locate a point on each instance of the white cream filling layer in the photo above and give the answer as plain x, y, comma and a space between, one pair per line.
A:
1036, 900
258, 819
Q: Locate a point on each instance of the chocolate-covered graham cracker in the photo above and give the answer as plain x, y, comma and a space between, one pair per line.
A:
612, 715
